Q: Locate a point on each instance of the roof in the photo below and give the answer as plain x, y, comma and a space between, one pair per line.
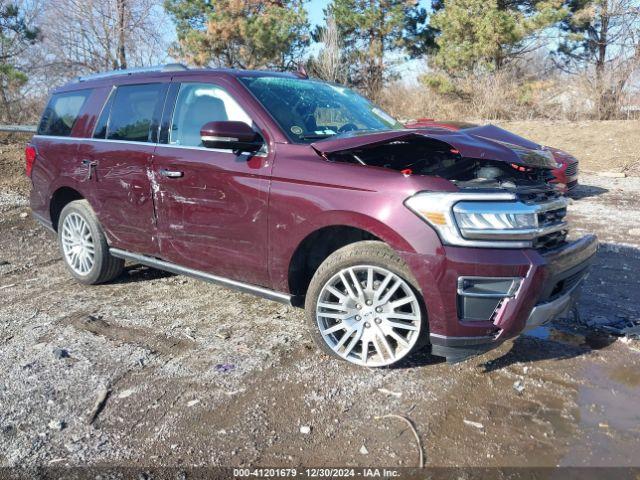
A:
162, 72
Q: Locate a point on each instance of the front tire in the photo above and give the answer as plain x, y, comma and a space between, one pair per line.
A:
84, 246
363, 305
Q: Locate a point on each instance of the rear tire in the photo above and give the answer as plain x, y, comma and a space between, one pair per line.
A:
84, 246
375, 322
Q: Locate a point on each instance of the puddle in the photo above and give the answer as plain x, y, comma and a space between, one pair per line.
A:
629, 376
568, 336
608, 399
609, 418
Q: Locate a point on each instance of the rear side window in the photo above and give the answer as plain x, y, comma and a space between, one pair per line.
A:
130, 111
62, 112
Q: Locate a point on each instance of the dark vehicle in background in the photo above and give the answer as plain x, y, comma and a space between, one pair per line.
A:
305, 193
565, 174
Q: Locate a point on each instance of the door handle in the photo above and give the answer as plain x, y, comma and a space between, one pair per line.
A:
91, 165
171, 173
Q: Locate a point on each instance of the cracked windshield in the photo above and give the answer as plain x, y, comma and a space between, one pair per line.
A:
308, 110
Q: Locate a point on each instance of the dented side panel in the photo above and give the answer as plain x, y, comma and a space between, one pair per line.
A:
121, 191
214, 217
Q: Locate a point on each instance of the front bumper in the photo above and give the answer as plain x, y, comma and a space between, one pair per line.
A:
550, 285
545, 312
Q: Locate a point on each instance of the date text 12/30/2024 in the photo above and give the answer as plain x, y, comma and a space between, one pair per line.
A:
315, 472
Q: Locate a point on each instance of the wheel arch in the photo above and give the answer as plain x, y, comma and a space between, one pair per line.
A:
315, 248
321, 242
60, 199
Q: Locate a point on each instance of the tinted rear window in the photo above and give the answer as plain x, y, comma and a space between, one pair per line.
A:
133, 110
62, 113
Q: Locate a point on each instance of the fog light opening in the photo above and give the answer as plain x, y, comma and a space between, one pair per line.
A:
479, 298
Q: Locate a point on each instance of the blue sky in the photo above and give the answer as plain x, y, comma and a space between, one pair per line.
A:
315, 7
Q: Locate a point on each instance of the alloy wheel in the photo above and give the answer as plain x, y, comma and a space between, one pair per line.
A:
77, 244
368, 315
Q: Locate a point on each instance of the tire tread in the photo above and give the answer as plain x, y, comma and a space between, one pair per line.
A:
110, 267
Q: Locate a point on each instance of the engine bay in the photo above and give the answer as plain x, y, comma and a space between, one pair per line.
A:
426, 156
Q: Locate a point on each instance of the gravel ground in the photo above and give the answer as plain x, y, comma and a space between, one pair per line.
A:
157, 369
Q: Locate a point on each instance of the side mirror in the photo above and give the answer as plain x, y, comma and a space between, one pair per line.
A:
236, 136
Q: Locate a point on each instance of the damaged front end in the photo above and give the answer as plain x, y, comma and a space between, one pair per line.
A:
502, 226
482, 157
504, 199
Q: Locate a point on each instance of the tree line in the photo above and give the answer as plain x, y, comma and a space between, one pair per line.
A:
579, 53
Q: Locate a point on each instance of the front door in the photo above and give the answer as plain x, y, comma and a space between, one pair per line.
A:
211, 204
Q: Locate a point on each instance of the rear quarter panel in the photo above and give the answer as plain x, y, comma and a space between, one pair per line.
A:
59, 163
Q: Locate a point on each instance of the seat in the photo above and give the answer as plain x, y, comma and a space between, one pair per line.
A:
202, 110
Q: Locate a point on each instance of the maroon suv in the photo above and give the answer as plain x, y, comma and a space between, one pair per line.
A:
303, 192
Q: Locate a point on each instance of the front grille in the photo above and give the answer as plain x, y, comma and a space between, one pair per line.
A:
551, 217
571, 169
550, 240
547, 218
567, 284
537, 195
572, 184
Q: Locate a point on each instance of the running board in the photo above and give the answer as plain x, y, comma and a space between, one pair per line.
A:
207, 277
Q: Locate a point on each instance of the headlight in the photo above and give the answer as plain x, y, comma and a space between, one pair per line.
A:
486, 219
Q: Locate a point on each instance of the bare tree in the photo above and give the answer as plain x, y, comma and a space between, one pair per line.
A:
18, 36
122, 25
96, 35
603, 40
329, 65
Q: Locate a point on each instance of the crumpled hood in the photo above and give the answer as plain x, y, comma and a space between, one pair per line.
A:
486, 142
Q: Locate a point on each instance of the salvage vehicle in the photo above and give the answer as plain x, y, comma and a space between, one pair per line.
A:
565, 174
304, 192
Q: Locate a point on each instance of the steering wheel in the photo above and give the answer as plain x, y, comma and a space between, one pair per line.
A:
348, 127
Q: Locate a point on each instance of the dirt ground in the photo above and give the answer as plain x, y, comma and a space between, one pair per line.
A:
197, 375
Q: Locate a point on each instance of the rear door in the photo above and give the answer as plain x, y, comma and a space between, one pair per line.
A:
118, 158
211, 204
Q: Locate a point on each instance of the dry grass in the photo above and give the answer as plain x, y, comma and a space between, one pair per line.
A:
609, 145
508, 95
599, 145
13, 178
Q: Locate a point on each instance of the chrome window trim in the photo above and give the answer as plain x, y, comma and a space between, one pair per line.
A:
264, 153
87, 139
129, 142
211, 138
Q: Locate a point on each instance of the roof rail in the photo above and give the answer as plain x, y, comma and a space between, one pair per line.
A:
169, 67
